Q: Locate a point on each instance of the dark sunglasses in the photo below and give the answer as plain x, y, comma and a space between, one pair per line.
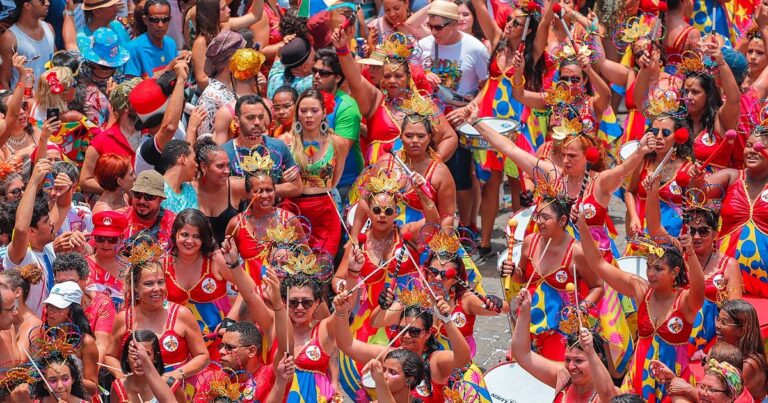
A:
440, 26
703, 231
16, 191
157, 20
111, 239
571, 79
147, 197
387, 211
322, 72
305, 303
664, 132
442, 273
516, 23
412, 331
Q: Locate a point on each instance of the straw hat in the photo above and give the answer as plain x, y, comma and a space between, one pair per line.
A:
445, 9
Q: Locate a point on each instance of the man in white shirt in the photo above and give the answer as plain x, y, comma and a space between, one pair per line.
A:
33, 234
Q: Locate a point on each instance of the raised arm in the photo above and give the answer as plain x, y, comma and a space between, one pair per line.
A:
608, 182
160, 389
601, 378
541, 368
694, 298
459, 355
621, 281
533, 100
487, 24
368, 97
729, 113
175, 107
653, 208
602, 98
17, 249
13, 105
355, 349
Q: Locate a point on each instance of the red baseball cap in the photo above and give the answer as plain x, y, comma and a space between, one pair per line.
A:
109, 223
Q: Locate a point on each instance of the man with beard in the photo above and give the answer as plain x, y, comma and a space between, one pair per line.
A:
145, 216
241, 352
33, 234
252, 118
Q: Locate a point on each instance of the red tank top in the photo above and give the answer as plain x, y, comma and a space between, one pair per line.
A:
382, 126
423, 393
173, 347
596, 213
312, 357
737, 210
560, 396
705, 144
410, 196
674, 330
207, 289
674, 53
559, 278
715, 286
669, 192
464, 321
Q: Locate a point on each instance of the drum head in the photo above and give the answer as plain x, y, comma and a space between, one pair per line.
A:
501, 126
633, 265
368, 381
509, 382
628, 149
523, 217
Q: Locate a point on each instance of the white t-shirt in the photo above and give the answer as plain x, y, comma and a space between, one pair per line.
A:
461, 66
37, 292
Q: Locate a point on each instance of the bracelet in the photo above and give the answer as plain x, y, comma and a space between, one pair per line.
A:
520, 85
70, 13
233, 265
181, 373
340, 313
281, 308
342, 51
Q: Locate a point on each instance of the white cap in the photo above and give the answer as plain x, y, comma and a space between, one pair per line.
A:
64, 294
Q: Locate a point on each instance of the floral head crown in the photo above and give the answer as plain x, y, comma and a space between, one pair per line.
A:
663, 102
309, 262
398, 47
64, 339
548, 185
731, 375
381, 180
7, 168
255, 162
692, 64
141, 250
415, 297
560, 94
637, 28
569, 320
443, 242
420, 104
226, 386
696, 200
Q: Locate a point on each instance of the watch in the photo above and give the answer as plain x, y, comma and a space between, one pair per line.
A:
171, 380
233, 264
70, 13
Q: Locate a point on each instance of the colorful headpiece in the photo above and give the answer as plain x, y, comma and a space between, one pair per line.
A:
569, 320
381, 180
255, 162
692, 64
647, 246
696, 200
314, 263
7, 168
549, 184
635, 29
566, 51
224, 385
415, 297
140, 250
397, 47
663, 102
64, 339
560, 93
12, 377
54, 83
567, 127
731, 375
443, 242
245, 63
420, 104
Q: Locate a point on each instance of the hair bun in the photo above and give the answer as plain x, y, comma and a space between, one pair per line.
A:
31, 273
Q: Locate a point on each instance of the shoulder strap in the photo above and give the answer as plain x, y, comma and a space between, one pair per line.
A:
568, 254
681, 38
172, 316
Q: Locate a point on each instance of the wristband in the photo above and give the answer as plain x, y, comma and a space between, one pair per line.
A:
342, 51
234, 264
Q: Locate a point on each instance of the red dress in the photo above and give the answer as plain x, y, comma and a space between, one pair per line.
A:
670, 196
312, 381
674, 53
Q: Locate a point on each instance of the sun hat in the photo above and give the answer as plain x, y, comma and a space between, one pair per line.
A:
445, 9
103, 48
64, 294
376, 58
109, 223
96, 4
150, 182
221, 49
295, 53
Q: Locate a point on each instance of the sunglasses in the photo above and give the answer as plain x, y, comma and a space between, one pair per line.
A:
147, 197
158, 20
442, 273
387, 211
664, 132
322, 72
571, 79
703, 231
414, 332
101, 239
16, 191
516, 23
538, 217
440, 26
305, 303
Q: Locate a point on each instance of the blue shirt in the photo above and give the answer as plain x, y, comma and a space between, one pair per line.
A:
114, 25
146, 58
277, 79
279, 152
345, 121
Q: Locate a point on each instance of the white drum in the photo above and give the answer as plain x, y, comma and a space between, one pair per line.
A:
508, 383
523, 217
517, 251
628, 149
368, 381
473, 140
633, 265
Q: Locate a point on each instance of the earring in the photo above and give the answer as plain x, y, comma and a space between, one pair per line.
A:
297, 127
324, 127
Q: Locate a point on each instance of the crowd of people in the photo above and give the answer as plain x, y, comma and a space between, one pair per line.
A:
287, 201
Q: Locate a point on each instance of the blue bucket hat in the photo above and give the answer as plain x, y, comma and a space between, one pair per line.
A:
103, 48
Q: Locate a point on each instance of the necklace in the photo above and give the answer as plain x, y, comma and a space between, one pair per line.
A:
704, 268
379, 248
18, 141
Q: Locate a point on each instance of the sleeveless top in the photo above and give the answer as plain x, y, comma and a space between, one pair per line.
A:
319, 174
675, 329
312, 357
38, 52
715, 285
669, 192
596, 213
678, 46
207, 289
635, 125
707, 143
464, 321
382, 126
560, 396
559, 278
118, 388
410, 197
173, 348
100, 280
219, 223
737, 211
422, 392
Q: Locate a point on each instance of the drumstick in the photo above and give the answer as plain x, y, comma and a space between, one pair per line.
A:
681, 136
760, 149
394, 339
387, 148
341, 219
512, 224
593, 155
530, 8
240, 220
421, 275
543, 253
400, 258
364, 279
730, 137
558, 9
576, 294
39, 371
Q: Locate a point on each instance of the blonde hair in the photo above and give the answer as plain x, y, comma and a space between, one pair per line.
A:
44, 98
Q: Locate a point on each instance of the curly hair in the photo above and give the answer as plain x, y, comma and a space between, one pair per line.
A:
292, 24
71, 261
301, 280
